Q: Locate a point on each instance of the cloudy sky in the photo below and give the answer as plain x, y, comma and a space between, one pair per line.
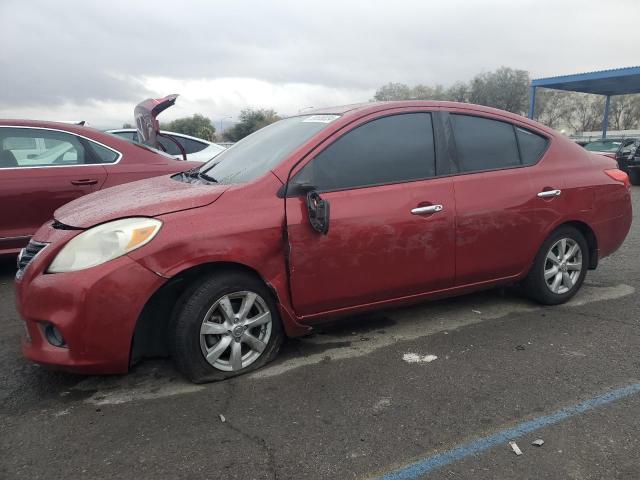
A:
93, 60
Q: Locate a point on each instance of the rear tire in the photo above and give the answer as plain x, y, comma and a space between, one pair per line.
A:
634, 176
559, 267
226, 324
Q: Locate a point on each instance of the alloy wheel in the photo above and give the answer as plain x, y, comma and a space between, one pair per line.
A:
563, 265
235, 331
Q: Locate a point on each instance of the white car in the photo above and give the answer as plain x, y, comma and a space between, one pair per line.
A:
197, 149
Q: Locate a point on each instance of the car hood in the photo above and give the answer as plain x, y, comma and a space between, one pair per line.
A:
145, 198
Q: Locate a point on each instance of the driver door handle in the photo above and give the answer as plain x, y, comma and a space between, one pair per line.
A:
85, 181
549, 193
426, 209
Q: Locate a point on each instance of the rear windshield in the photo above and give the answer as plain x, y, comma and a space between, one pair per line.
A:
255, 155
603, 146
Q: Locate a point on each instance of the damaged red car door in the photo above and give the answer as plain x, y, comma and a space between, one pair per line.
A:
391, 219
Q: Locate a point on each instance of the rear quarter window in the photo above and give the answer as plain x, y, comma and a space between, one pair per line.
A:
103, 154
532, 146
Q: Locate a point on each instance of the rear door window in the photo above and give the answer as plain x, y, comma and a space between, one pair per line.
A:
484, 144
393, 149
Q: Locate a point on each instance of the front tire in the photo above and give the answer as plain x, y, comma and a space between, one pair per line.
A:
227, 324
634, 176
559, 267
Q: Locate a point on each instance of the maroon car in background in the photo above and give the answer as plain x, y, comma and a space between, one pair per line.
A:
44, 165
314, 217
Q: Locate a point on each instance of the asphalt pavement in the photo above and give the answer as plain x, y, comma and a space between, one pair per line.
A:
434, 391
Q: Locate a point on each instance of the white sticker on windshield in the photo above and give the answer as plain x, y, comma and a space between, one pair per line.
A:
321, 118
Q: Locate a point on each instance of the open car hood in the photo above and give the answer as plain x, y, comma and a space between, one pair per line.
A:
145, 198
146, 113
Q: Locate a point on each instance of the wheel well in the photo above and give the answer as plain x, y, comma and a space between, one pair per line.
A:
591, 239
150, 334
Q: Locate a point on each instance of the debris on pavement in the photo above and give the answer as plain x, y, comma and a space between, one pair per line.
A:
519, 347
222, 419
515, 448
415, 358
538, 443
477, 311
383, 403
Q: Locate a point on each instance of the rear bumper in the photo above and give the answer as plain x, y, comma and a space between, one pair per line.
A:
95, 310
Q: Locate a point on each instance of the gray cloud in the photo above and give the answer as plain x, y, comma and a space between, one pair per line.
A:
79, 51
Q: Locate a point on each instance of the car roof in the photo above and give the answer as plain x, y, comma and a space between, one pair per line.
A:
68, 127
361, 109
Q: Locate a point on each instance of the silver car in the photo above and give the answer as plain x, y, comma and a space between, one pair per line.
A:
197, 149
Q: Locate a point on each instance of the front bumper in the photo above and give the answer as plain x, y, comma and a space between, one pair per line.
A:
95, 310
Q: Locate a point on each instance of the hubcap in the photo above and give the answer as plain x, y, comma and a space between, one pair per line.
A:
563, 265
235, 331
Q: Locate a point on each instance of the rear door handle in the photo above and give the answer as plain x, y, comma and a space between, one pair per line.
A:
426, 209
85, 181
549, 193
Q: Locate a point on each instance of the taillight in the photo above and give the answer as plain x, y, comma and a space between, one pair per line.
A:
619, 176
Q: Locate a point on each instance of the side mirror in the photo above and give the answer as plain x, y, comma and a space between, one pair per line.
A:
318, 210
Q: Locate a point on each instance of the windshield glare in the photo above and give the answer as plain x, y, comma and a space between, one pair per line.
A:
255, 155
606, 146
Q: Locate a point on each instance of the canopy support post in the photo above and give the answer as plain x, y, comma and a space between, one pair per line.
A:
532, 101
605, 118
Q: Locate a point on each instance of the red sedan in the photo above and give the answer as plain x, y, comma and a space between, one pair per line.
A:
316, 216
44, 165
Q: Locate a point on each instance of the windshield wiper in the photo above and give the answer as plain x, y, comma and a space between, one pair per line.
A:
206, 177
195, 173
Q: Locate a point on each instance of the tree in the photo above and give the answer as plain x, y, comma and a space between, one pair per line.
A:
586, 112
250, 121
400, 91
506, 88
458, 92
554, 108
392, 91
197, 126
127, 125
624, 112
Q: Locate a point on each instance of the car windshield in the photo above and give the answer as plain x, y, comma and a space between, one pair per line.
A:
255, 155
603, 146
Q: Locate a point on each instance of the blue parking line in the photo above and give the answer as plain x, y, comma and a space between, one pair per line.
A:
426, 465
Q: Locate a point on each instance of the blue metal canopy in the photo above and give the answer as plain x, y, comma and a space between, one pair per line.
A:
618, 81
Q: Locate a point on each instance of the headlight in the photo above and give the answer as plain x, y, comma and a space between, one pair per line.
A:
104, 242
